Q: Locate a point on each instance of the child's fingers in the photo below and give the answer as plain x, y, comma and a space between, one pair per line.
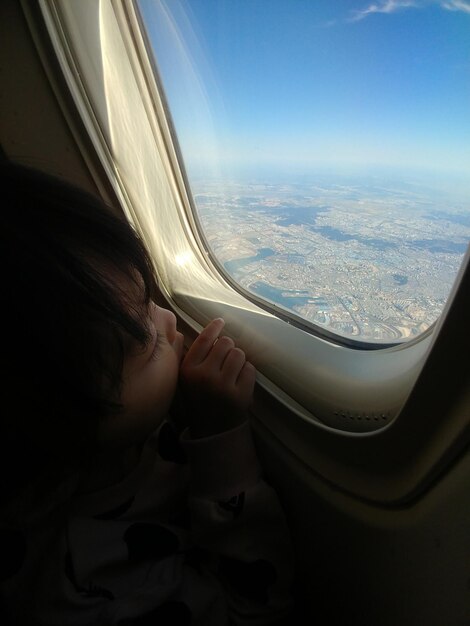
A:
233, 364
247, 378
202, 345
220, 350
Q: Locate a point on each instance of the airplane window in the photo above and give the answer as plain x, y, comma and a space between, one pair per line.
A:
326, 147
278, 215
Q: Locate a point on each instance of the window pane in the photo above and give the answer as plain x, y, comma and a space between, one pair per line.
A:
327, 147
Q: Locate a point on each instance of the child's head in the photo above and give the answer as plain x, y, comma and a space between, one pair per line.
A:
79, 322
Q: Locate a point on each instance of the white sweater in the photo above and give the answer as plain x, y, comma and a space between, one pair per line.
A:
193, 535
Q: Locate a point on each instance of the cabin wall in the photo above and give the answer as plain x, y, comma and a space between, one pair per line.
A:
33, 129
364, 565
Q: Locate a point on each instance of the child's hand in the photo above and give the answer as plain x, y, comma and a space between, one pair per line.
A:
218, 382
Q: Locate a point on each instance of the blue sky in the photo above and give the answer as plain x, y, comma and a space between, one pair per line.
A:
300, 84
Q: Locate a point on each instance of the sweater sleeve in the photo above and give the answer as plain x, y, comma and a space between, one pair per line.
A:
237, 520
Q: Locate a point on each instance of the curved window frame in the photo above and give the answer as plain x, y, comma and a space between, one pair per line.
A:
342, 411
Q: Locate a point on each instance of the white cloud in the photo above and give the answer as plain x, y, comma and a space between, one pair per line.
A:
329, 24
456, 5
391, 6
386, 6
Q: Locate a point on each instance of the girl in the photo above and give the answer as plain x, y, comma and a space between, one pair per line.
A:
111, 513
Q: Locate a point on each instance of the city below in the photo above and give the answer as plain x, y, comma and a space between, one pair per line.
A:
363, 258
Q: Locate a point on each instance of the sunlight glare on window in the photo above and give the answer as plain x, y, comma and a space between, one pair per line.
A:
327, 148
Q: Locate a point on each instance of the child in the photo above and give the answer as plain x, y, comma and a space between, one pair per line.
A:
110, 513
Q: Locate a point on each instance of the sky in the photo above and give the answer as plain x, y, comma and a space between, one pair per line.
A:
301, 84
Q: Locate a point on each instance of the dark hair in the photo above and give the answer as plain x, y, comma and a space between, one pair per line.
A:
66, 315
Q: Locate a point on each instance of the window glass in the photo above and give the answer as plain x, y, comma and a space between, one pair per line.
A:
327, 149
